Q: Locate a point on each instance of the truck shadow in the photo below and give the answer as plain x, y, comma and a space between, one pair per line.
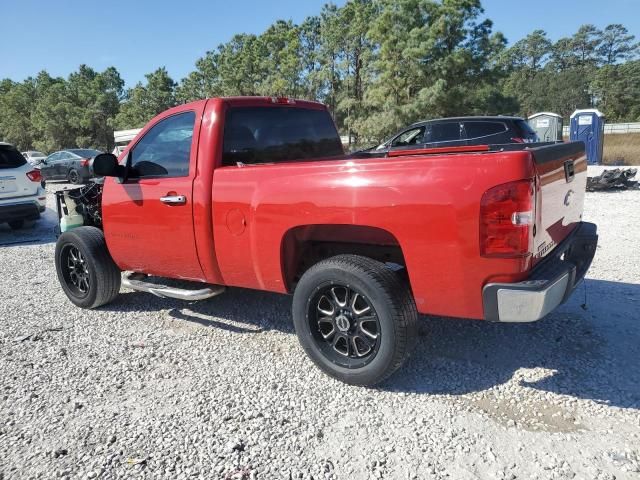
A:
35, 232
590, 354
236, 310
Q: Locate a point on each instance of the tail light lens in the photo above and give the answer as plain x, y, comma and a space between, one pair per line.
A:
506, 220
34, 175
85, 162
518, 140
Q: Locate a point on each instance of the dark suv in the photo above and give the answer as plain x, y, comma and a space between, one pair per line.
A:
459, 131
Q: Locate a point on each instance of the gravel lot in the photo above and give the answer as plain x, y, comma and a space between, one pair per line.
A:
153, 388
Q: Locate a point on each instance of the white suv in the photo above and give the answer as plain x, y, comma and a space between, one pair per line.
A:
21, 194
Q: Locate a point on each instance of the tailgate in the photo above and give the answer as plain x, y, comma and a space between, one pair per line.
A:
15, 184
562, 172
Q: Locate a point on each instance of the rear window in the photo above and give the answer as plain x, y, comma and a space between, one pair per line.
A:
278, 134
10, 158
483, 129
85, 153
525, 130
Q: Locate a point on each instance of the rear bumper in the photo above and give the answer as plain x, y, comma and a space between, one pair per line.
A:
23, 208
20, 211
550, 284
85, 172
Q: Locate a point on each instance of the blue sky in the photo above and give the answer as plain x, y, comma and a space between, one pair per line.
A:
138, 36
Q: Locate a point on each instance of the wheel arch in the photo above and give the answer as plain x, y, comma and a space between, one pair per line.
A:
305, 245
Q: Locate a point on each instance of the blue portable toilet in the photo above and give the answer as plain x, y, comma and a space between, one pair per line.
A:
588, 126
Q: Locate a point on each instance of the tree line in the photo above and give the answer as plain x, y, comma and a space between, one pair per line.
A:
378, 65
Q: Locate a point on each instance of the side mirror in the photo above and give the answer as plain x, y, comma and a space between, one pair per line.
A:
106, 165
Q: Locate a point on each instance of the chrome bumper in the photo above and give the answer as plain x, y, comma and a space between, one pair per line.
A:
550, 284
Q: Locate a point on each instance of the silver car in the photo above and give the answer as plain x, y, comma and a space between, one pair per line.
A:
34, 157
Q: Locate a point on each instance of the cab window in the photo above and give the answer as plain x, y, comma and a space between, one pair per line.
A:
413, 136
165, 150
278, 134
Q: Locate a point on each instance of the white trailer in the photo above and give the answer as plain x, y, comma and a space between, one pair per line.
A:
122, 139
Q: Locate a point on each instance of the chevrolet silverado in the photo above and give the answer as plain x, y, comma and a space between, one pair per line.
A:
257, 192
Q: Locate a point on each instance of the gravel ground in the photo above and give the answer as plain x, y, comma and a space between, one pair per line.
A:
153, 388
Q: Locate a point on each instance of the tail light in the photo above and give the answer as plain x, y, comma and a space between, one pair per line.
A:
507, 220
34, 175
85, 162
518, 140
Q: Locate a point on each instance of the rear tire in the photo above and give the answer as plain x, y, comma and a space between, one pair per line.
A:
74, 177
355, 318
87, 273
16, 224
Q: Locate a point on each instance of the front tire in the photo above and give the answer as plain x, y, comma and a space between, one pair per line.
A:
87, 273
355, 318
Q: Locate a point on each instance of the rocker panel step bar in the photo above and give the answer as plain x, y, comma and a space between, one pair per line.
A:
135, 281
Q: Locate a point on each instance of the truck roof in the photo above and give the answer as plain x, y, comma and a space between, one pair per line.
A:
258, 100
469, 118
253, 101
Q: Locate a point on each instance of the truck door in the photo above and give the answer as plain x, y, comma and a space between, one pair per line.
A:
148, 219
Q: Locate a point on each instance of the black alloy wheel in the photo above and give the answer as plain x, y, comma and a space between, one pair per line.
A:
75, 270
355, 318
344, 325
73, 176
86, 271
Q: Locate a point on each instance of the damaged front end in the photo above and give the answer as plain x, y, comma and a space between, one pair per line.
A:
79, 207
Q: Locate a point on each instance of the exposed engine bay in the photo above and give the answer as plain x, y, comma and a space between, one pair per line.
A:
81, 206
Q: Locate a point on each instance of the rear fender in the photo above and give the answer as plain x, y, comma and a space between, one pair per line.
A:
305, 245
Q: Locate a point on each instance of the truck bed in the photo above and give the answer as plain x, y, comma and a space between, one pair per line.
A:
427, 203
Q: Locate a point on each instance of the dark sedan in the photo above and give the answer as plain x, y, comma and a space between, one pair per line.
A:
460, 131
74, 165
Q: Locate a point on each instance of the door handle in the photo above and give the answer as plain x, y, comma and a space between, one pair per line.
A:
174, 200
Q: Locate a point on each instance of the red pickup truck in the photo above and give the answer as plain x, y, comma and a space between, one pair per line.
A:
257, 192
